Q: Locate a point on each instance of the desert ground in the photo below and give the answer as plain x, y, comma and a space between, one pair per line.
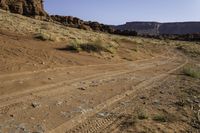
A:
134, 84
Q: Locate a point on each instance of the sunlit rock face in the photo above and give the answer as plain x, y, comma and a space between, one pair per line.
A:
24, 7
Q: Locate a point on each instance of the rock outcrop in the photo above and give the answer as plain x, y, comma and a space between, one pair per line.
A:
24, 7
34, 8
78, 23
154, 28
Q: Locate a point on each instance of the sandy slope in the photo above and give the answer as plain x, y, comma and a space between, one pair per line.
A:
44, 89
54, 96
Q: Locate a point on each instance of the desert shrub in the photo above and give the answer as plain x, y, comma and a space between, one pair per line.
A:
142, 115
192, 71
42, 36
191, 49
96, 46
46, 37
74, 46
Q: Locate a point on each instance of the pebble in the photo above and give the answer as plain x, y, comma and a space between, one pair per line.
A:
156, 101
142, 97
59, 103
35, 104
82, 88
32, 118
103, 114
22, 126
50, 78
11, 115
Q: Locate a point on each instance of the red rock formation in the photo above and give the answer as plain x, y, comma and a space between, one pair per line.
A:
78, 23
24, 7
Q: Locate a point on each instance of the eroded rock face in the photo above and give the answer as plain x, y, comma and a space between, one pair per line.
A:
154, 28
24, 7
78, 23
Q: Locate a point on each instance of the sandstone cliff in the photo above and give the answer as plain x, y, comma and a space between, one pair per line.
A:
154, 28
24, 7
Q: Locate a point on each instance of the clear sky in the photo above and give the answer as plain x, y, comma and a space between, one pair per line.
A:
121, 11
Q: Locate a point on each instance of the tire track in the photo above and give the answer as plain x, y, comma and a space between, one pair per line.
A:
68, 82
60, 87
74, 124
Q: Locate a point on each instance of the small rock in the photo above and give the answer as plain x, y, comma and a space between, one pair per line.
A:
142, 97
82, 88
11, 115
22, 126
156, 101
35, 104
59, 103
32, 118
161, 92
103, 114
50, 78
196, 101
43, 63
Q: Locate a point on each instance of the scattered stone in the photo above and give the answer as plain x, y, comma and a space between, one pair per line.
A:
156, 102
64, 113
59, 103
196, 101
35, 104
32, 118
161, 92
11, 115
82, 110
82, 88
104, 114
50, 78
22, 126
142, 97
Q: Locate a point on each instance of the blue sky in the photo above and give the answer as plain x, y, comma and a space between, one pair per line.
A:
121, 11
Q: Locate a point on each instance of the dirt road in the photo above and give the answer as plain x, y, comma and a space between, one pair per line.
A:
72, 98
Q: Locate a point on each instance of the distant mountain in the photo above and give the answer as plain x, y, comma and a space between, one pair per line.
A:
155, 28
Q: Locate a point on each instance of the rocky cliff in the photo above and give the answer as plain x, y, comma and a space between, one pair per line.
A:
154, 28
78, 23
24, 7
34, 8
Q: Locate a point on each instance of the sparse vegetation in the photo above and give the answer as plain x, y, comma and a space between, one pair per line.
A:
142, 116
191, 49
192, 71
96, 46
42, 36
160, 118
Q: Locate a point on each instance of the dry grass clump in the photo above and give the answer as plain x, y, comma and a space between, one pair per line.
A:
191, 49
47, 37
97, 46
192, 71
160, 118
42, 36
